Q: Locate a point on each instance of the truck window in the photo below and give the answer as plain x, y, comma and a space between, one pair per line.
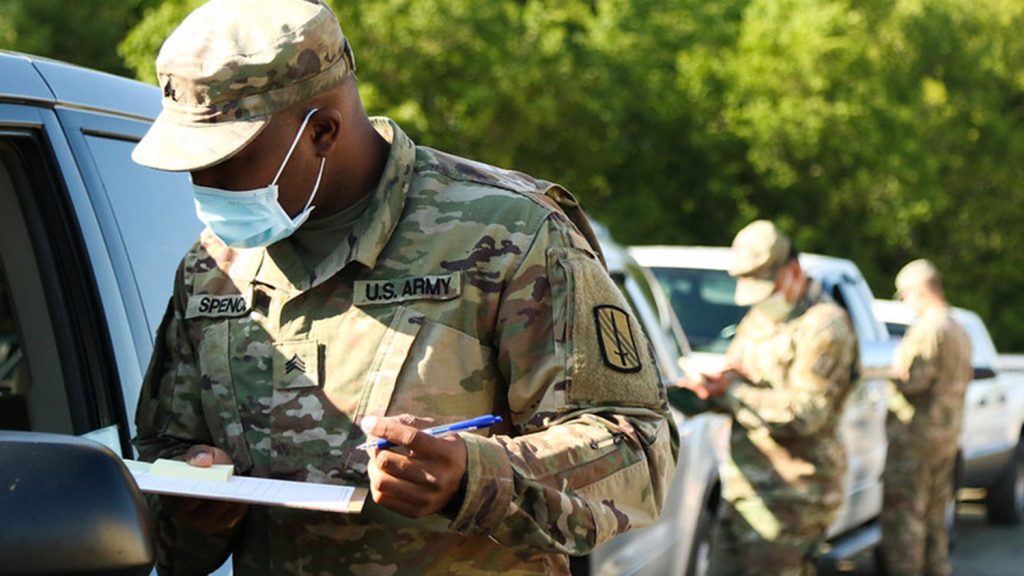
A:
32, 392
847, 294
154, 214
14, 376
704, 302
983, 351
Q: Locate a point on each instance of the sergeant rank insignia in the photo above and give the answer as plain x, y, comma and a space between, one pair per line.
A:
615, 335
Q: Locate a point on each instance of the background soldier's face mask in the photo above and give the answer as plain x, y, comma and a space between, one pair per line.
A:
776, 307
250, 218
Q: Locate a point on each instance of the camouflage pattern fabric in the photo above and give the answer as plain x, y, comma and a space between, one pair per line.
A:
229, 66
783, 479
936, 357
459, 292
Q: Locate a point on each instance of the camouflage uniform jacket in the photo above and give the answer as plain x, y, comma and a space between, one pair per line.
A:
461, 291
785, 444
935, 359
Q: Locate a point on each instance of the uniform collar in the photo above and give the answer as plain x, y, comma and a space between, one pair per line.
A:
281, 267
813, 295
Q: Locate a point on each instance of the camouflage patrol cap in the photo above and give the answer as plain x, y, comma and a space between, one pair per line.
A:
229, 66
916, 273
758, 252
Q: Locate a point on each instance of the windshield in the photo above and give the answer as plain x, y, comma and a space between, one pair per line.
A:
703, 301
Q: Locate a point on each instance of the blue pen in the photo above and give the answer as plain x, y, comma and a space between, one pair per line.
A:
471, 424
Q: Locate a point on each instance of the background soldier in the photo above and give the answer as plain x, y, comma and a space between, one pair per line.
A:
933, 369
375, 278
789, 370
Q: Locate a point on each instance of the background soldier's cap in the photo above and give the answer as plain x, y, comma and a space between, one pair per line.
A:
229, 66
758, 252
916, 273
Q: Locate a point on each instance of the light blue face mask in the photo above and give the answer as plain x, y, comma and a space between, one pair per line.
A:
251, 218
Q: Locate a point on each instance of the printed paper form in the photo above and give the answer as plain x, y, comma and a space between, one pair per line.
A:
309, 496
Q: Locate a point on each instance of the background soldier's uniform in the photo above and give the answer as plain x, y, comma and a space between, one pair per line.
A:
923, 435
783, 479
461, 290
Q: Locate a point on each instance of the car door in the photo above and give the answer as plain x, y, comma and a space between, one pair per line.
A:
864, 416
91, 243
57, 349
144, 223
985, 407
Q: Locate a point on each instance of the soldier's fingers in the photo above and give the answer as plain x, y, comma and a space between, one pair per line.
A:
403, 507
404, 467
203, 456
200, 455
407, 499
391, 429
390, 486
415, 421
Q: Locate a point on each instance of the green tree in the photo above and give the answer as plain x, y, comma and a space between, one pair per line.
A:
83, 32
879, 130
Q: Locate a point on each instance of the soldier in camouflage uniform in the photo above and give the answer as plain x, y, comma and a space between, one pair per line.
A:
422, 285
932, 369
789, 370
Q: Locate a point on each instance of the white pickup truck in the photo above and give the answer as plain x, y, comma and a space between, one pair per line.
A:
991, 449
701, 292
677, 542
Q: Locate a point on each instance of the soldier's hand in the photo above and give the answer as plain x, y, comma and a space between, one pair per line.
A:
695, 384
422, 475
715, 384
206, 516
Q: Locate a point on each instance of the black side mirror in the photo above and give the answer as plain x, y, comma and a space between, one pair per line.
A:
69, 506
984, 373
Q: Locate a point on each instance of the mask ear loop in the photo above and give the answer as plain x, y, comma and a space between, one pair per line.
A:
294, 144
315, 186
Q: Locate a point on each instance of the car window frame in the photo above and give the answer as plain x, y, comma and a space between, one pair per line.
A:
75, 317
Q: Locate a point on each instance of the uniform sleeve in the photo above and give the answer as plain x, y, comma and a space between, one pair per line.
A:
594, 446
169, 419
918, 361
818, 377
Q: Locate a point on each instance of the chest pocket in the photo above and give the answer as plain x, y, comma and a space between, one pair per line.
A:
406, 365
771, 359
425, 369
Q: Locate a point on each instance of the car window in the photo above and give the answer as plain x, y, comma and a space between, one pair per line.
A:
646, 315
858, 307
15, 381
983, 352
155, 216
896, 330
703, 301
32, 388
664, 324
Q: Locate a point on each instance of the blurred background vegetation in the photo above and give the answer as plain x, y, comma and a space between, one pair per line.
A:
878, 130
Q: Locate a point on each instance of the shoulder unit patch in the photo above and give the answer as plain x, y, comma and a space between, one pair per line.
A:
615, 336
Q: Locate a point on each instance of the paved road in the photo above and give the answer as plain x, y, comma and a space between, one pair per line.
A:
982, 549
986, 549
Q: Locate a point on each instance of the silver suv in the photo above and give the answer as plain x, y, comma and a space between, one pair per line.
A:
89, 242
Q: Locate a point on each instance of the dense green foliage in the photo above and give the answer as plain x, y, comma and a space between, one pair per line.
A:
879, 130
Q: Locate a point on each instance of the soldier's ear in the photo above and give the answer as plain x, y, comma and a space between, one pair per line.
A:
327, 124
